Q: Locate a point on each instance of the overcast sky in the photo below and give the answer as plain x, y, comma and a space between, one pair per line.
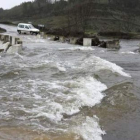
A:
7, 4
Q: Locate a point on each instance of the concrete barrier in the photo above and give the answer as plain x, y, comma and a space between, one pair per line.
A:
42, 34
19, 42
17, 48
87, 42
115, 44
62, 39
51, 37
10, 44
73, 40
12, 40
6, 38
38, 36
2, 38
5, 46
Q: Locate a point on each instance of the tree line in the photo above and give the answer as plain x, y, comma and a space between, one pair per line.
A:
79, 15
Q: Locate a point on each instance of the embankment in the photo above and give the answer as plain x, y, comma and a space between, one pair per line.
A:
120, 35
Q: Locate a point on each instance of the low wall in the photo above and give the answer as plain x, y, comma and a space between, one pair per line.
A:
10, 44
115, 44
93, 41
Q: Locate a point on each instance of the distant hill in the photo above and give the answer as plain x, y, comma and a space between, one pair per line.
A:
89, 16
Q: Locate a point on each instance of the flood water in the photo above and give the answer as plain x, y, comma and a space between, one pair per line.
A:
58, 91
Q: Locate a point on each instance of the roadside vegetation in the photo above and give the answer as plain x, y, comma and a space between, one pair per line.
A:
79, 16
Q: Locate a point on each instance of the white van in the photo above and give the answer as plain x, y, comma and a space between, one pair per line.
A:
27, 28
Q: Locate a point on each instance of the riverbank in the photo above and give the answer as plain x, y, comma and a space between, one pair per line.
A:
61, 31
120, 35
8, 23
102, 34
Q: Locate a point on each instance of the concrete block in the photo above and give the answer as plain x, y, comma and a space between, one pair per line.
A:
38, 36
12, 40
2, 38
62, 39
73, 40
115, 44
6, 38
16, 40
5, 46
87, 42
42, 34
1, 50
51, 37
17, 48
19, 42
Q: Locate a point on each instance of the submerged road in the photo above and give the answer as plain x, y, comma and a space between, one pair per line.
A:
59, 91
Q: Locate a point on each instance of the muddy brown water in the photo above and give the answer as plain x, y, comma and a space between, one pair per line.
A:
55, 91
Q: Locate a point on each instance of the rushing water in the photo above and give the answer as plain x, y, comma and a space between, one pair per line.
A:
64, 92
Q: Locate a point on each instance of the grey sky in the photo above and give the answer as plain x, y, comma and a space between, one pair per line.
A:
7, 4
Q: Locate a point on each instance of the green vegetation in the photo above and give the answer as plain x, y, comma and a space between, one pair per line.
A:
7, 23
87, 16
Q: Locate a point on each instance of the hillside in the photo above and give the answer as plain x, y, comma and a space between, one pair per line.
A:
90, 16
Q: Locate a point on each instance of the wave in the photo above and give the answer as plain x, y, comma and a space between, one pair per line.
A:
96, 63
90, 129
44, 63
68, 96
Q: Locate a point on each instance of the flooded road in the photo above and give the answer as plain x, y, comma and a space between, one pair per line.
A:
55, 91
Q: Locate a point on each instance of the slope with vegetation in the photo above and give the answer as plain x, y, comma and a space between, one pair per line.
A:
79, 16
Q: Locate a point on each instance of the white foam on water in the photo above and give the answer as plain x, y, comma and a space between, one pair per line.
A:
128, 52
90, 129
53, 64
102, 51
39, 41
101, 64
87, 92
78, 48
33, 39
64, 97
46, 63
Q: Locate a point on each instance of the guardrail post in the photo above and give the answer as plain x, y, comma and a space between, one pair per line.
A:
87, 42
73, 40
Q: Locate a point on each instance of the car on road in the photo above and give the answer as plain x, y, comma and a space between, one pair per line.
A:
27, 28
